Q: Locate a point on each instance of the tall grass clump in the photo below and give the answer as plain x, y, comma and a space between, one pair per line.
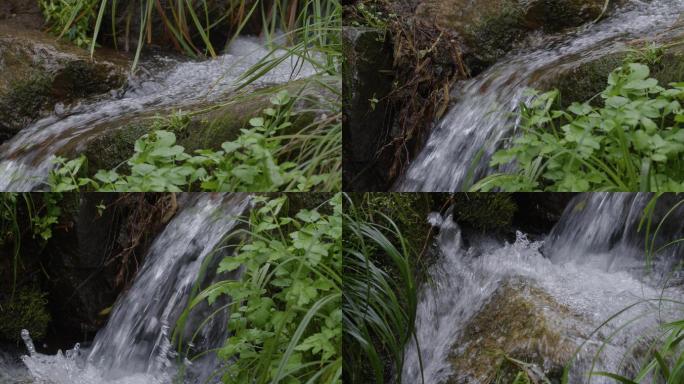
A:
634, 141
285, 316
380, 298
661, 359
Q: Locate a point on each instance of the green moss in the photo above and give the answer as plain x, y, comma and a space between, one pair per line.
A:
114, 147
80, 78
22, 102
494, 36
484, 211
26, 311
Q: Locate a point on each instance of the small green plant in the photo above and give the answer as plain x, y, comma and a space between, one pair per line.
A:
634, 142
73, 19
651, 54
285, 317
250, 163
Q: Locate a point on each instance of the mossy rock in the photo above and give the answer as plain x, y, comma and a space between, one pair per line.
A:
36, 73
26, 311
522, 322
488, 212
491, 28
589, 79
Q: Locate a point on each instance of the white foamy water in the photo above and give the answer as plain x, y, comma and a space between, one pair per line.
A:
26, 159
462, 143
135, 347
595, 279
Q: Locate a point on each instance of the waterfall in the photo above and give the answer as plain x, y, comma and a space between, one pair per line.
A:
162, 84
591, 264
461, 144
135, 345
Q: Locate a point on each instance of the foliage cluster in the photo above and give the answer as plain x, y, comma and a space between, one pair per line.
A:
249, 163
41, 218
72, 19
634, 142
285, 318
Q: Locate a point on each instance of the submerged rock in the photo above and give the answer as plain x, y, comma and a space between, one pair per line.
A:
491, 28
37, 72
519, 323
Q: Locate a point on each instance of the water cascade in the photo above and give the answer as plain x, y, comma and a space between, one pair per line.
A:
461, 144
160, 85
135, 346
592, 264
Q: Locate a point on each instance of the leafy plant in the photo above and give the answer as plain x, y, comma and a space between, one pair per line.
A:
41, 219
634, 142
250, 163
72, 19
285, 313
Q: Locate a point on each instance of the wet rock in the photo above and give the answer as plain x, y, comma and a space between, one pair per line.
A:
80, 286
23, 12
491, 28
367, 73
520, 322
36, 72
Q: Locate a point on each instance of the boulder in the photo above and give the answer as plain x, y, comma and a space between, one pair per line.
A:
491, 28
368, 76
37, 72
522, 323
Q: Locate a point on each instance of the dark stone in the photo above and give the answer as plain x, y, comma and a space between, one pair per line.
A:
538, 212
81, 285
367, 74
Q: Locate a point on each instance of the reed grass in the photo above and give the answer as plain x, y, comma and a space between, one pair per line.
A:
379, 309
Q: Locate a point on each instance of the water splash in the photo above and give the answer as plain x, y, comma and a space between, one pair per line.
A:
135, 345
26, 159
461, 145
464, 279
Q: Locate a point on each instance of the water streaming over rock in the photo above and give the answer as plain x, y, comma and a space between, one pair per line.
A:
590, 265
135, 345
461, 144
162, 83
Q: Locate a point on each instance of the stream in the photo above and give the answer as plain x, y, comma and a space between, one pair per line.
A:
591, 263
162, 83
460, 146
135, 347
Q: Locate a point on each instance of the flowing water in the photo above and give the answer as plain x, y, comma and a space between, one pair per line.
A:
461, 144
135, 347
162, 84
590, 263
